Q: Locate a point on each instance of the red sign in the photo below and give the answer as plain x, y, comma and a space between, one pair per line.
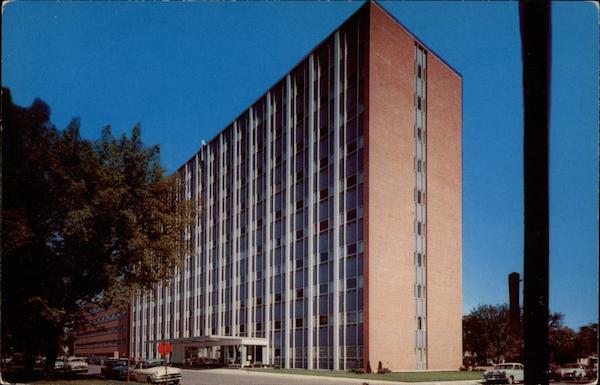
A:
164, 348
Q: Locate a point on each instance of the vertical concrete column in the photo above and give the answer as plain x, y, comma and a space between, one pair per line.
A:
336, 205
206, 244
288, 230
251, 202
311, 201
221, 216
196, 256
243, 355
234, 248
268, 239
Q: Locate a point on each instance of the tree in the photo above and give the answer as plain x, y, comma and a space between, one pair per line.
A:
561, 340
84, 223
486, 332
586, 340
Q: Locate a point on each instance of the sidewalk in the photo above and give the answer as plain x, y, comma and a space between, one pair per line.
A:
333, 380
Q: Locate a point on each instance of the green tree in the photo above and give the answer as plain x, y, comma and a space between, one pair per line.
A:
486, 332
84, 223
586, 340
561, 340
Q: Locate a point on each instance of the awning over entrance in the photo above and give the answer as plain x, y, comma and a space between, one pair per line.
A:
215, 340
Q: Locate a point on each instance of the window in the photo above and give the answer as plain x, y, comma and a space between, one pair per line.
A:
324, 256
323, 320
259, 327
419, 74
277, 297
298, 322
419, 102
258, 301
277, 352
419, 196
277, 324
299, 263
300, 293
419, 323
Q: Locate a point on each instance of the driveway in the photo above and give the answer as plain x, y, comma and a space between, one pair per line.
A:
244, 377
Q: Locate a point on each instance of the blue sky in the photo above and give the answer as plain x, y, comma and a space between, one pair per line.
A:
185, 70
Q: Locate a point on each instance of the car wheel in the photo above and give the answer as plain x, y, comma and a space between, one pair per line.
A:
511, 380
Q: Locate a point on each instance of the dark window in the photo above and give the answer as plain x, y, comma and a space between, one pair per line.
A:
277, 324
258, 301
351, 215
298, 322
259, 327
277, 297
300, 293
324, 256
323, 320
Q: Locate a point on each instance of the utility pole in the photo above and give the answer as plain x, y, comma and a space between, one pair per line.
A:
536, 51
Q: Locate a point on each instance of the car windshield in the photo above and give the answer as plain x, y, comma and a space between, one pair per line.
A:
151, 364
503, 366
76, 360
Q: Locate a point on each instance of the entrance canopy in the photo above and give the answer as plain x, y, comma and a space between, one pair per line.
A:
215, 340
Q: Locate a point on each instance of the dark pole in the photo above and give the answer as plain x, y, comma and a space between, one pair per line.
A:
514, 305
535, 40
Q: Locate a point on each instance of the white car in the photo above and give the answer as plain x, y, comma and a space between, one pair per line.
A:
573, 372
510, 372
75, 365
155, 372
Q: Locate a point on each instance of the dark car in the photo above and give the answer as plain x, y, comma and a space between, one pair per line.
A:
120, 372
108, 371
554, 373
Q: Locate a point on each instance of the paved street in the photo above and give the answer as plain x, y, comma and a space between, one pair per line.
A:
243, 377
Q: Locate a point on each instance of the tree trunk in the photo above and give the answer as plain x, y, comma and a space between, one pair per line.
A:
52, 349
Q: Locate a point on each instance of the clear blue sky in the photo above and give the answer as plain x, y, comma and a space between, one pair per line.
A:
185, 70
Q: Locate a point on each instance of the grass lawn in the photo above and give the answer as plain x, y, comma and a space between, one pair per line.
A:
37, 377
397, 376
87, 381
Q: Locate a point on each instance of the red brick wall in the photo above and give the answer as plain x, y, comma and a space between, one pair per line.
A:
444, 216
390, 179
390, 322
83, 337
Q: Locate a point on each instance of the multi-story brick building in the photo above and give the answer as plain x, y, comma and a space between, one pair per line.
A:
105, 335
328, 232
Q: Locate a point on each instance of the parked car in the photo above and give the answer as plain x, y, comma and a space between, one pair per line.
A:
510, 372
108, 369
554, 373
121, 372
156, 372
59, 365
573, 372
75, 365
